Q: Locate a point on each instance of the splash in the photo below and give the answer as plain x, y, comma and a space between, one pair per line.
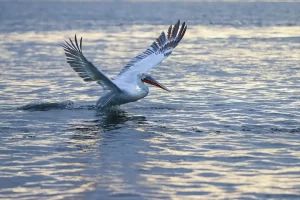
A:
45, 106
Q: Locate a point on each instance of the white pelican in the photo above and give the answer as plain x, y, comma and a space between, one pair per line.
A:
128, 85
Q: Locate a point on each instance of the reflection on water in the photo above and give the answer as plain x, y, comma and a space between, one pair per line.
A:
109, 120
228, 130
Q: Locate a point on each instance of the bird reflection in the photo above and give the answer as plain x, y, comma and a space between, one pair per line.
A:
107, 121
85, 134
116, 118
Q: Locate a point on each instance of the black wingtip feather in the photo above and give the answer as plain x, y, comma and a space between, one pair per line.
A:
169, 32
76, 43
182, 28
175, 29
81, 44
73, 44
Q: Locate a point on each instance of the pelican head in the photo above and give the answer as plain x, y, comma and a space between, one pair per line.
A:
146, 78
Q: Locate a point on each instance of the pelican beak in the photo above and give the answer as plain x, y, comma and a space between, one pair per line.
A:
148, 79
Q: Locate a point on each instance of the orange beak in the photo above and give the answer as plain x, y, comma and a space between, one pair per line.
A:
148, 79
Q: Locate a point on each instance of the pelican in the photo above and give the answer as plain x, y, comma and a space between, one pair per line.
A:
129, 84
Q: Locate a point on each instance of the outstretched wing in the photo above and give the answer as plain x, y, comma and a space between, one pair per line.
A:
161, 48
85, 69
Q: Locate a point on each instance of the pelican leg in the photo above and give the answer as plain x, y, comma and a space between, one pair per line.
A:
106, 101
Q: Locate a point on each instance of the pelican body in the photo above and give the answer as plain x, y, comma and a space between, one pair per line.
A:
129, 85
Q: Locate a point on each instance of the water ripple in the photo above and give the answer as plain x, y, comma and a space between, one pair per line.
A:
228, 130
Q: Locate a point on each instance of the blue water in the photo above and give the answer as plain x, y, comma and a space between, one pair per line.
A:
230, 128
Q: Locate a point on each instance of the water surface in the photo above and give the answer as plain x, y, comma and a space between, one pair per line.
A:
228, 130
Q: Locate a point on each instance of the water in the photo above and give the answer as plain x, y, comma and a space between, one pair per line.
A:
228, 130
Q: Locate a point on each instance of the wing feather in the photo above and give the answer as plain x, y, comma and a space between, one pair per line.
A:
85, 69
175, 30
160, 49
169, 33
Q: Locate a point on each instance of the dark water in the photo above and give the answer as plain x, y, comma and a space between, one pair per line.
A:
230, 128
